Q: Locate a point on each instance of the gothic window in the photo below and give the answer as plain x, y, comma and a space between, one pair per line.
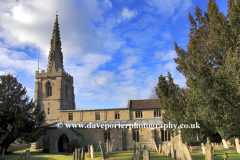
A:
157, 113
117, 115
97, 116
135, 133
165, 135
66, 91
49, 89
48, 110
70, 116
107, 135
138, 114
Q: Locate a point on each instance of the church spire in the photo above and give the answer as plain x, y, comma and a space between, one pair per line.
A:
55, 58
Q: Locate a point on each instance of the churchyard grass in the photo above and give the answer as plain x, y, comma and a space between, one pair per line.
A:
117, 155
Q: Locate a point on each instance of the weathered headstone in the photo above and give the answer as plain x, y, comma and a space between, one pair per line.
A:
163, 148
3, 151
212, 149
237, 145
203, 148
225, 144
168, 149
208, 156
91, 151
225, 156
172, 150
102, 150
76, 153
180, 151
111, 146
137, 154
186, 152
146, 154
160, 148
83, 154
73, 158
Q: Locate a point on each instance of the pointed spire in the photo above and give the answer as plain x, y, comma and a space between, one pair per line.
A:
55, 58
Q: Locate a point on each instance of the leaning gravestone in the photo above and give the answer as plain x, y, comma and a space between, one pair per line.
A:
186, 152
146, 154
91, 151
137, 155
225, 144
102, 150
208, 152
203, 148
237, 145
180, 151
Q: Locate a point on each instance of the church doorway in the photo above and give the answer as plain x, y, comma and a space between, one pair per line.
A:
63, 143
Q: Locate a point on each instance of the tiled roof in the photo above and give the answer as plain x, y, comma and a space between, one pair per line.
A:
145, 104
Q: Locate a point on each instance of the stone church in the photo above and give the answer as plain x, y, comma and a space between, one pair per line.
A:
54, 92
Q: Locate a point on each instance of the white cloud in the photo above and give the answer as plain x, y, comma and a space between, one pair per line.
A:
166, 56
127, 14
129, 62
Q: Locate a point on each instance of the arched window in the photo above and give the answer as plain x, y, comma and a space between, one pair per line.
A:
117, 115
157, 113
48, 110
138, 114
49, 89
66, 91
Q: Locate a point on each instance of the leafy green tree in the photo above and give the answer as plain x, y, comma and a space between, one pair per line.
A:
19, 118
211, 67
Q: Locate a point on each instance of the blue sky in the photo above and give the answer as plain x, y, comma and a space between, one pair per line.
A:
114, 49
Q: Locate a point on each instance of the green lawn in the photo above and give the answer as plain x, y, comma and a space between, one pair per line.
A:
116, 155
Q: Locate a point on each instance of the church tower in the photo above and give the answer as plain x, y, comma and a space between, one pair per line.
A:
54, 89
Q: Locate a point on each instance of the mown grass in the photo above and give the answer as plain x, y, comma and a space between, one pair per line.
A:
117, 155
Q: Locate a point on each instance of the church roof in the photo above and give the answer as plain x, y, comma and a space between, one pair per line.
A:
145, 104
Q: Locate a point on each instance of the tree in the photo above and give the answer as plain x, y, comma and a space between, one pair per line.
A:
153, 94
20, 119
211, 67
179, 108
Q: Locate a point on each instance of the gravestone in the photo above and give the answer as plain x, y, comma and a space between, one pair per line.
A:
91, 151
73, 156
137, 155
203, 148
146, 154
237, 145
78, 153
107, 146
168, 149
208, 149
134, 147
3, 151
172, 150
102, 150
225, 144
186, 152
163, 148
83, 154
160, 148
180, 151
88, 150
26, 155
212, 149
111, 146
225, 156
